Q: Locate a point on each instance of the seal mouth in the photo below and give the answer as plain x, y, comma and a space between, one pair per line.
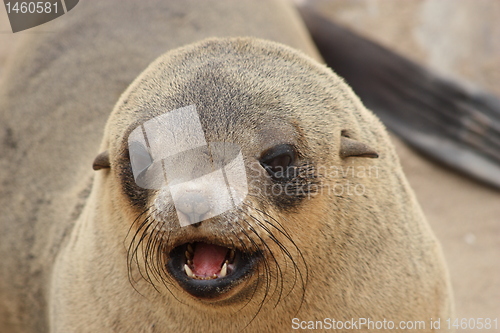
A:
208, 270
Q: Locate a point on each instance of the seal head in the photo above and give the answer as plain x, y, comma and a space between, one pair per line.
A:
221, 158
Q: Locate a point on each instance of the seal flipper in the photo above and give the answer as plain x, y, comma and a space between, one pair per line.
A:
441, 118
101, 161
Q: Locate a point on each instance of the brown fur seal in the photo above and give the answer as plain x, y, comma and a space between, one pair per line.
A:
106, 254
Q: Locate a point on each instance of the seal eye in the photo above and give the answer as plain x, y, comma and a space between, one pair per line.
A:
278, 159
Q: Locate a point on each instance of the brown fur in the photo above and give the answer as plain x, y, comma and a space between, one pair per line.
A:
370, 255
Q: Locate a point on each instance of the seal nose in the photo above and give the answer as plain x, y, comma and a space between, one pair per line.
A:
193, 205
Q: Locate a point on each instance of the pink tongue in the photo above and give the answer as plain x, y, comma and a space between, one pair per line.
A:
208, 259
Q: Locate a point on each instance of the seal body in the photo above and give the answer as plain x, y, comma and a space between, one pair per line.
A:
87, 251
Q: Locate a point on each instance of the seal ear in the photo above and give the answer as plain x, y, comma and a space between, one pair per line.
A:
101, 161
353, 148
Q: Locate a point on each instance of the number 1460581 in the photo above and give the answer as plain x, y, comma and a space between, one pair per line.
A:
31, 7
472, 323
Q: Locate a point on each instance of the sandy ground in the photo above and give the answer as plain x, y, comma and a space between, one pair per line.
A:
461, 39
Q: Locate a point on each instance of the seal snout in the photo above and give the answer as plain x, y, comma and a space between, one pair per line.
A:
193, 205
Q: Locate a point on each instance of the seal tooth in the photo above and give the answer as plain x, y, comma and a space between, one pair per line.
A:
188, 271
223, 271
189, 262
190, 248
231, 255
189, 255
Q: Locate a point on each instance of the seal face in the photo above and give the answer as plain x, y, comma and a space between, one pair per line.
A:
224, 169
168, 163
195, 182
217, 227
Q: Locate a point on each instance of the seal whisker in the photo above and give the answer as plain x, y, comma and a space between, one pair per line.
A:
145, 247
149, 251
132, 251
284, 249
286, 253
146, 237
281, 230
267, 279
152, 239
270, 252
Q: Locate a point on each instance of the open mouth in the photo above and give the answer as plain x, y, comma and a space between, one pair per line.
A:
208, 270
